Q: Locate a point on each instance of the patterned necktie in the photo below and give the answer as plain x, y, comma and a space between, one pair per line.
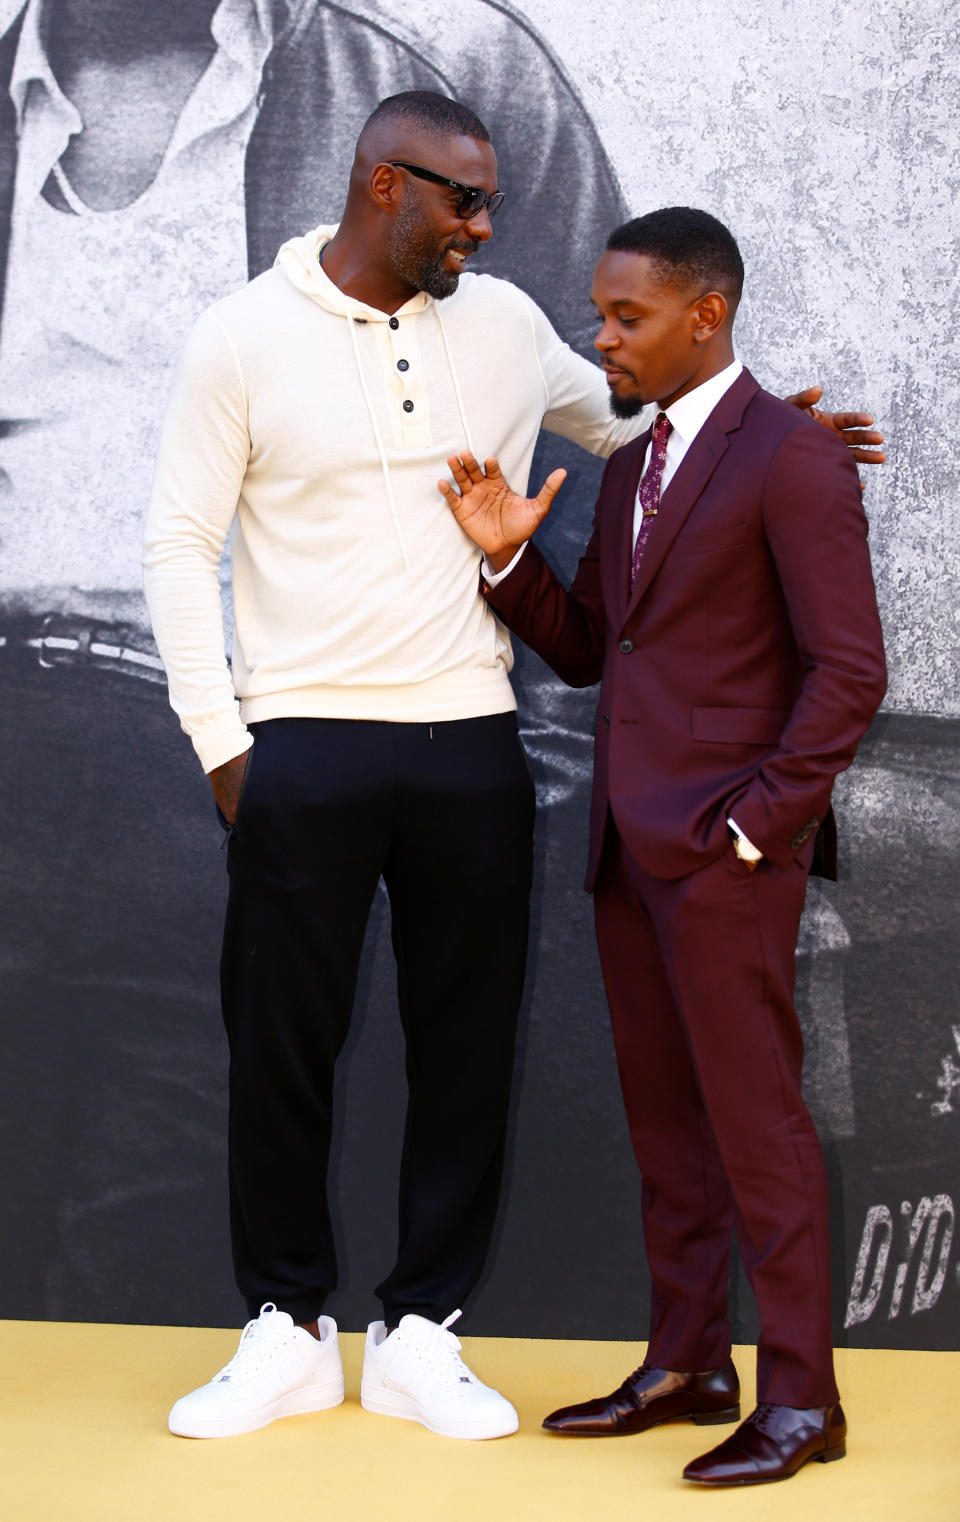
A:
650, 490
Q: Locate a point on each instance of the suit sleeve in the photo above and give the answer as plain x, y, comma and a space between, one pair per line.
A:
566, 628
816, 532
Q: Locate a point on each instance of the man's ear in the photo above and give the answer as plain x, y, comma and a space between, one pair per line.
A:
709, 313
386, 187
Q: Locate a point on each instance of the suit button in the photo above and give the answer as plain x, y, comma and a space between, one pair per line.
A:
394, 323
408, 406
625, 646
606, 720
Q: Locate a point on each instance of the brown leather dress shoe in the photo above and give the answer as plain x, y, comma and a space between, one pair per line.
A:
772, 1444
651, 1396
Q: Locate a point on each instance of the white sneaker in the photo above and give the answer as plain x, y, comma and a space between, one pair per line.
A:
278, 1370
417, 1373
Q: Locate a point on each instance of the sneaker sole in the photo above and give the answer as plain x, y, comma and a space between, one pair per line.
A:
295, 1403
393, 1403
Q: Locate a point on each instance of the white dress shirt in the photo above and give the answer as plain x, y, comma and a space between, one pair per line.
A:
687, 416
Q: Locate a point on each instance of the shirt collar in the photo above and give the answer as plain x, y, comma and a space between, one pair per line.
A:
31, 63
690, 411
33, 87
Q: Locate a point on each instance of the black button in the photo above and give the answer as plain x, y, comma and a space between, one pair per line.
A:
394, 322
403, 364
625, 646
606, 720
408, 406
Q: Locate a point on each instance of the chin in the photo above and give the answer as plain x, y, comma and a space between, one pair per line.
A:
436, 280
626, 406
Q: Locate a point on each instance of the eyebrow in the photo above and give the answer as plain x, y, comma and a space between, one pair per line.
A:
620, 301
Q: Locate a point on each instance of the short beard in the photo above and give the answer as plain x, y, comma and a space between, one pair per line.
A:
626, 406
414, 255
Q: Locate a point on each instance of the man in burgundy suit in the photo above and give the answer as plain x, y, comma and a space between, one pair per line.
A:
726, 603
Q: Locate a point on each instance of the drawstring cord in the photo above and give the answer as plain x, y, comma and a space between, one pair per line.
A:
456, 382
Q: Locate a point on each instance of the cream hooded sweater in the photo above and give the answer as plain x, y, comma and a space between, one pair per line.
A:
318, 427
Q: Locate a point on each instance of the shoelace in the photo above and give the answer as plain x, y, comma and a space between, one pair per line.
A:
441, 1354
626, 1389
759, 1417
256, 1341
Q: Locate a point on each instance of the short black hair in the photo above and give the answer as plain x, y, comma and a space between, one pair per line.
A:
686, 246
432, 113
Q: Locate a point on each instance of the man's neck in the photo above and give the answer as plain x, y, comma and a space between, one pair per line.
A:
717, 361
349, 265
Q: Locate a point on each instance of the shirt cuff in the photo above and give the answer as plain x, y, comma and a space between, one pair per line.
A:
748, 850
492, 577
216, 745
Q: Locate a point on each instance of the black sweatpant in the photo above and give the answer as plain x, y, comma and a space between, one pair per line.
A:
444, 813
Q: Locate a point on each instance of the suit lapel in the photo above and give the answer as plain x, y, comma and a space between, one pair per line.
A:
693, 473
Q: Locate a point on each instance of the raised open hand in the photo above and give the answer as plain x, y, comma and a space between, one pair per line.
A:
854, 428
497, 519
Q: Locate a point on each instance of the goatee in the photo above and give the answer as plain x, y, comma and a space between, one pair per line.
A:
436, 280
626, 406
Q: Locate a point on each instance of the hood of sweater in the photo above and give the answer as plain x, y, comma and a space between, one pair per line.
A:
299, 260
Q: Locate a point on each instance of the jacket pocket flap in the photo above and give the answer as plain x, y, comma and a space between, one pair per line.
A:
739, 726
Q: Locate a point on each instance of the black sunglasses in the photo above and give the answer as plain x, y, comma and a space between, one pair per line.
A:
471, 202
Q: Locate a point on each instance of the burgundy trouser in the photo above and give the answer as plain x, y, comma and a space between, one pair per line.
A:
699, 975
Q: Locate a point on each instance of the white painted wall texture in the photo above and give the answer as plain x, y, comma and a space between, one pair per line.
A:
826, 137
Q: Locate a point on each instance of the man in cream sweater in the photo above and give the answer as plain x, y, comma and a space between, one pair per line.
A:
375, 736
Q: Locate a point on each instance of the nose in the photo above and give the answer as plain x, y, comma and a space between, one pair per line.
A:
479, 225
606, 339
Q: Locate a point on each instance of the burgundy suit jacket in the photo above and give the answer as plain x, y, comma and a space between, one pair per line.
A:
742, 670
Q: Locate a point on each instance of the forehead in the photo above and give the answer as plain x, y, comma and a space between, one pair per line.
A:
622, 278
459, 158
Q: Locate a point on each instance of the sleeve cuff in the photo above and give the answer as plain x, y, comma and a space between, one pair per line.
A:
492, 577
218, 747
747, 850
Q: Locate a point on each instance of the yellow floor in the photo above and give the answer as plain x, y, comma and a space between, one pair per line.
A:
83, 1438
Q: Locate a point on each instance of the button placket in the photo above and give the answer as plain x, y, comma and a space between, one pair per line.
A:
408, 388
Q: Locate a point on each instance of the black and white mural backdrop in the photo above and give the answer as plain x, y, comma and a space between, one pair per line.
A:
151, 158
